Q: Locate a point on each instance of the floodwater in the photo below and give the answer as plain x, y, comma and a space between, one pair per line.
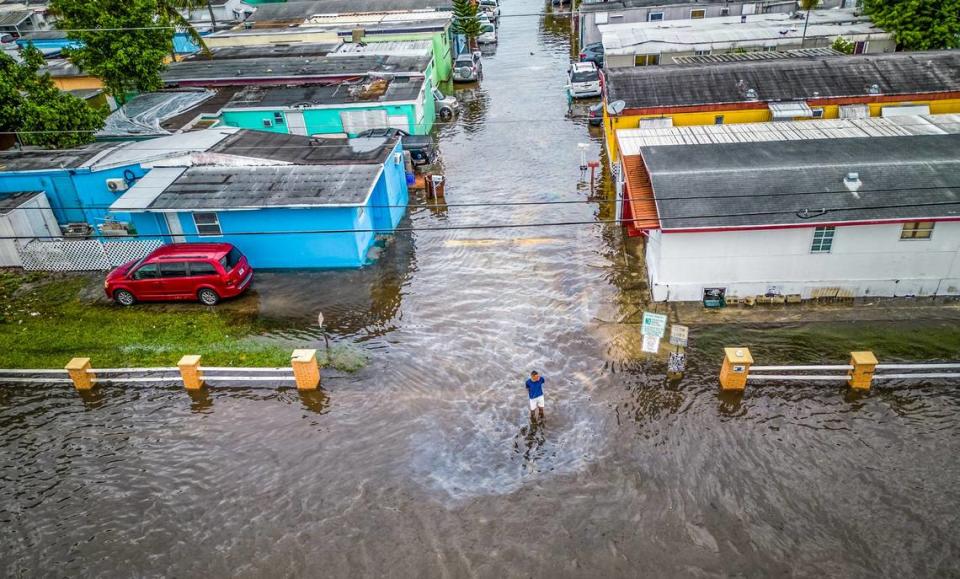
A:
425, 464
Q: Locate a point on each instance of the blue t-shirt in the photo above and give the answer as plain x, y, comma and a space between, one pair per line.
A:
535, 388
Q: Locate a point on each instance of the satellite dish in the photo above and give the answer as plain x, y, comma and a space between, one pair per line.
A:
616, 107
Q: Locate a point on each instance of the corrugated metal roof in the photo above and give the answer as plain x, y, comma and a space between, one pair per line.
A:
12, 200
632, 140
14, 17
244, 69
729, 32
802, 181
790, 110
793, 79
755, 55
395, 47
299, 11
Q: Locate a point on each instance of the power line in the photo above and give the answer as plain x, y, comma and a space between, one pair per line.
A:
592, 201
511, 225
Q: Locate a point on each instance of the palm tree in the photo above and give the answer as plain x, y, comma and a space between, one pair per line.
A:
807, 5
169, 10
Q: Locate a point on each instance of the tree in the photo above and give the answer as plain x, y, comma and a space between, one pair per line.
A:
124, 42
42, 114
843, 45
465, 20
808, 6
918, 24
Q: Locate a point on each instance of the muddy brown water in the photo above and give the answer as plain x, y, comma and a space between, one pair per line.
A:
424, 464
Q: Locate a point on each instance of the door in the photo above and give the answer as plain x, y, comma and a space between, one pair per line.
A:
145, 282
174, 227
296, 125
175, 282
204, 274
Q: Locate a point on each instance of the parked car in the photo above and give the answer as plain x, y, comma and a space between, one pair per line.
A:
491, 8
592, 53
488, 34
468, 67
421, 147
584, 80
447, 105
207, 272
7, 38
595, 115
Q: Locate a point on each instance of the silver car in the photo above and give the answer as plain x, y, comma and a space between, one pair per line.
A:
468, 68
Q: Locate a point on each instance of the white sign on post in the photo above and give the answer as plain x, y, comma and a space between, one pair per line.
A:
651, 344
679, 335
653, 324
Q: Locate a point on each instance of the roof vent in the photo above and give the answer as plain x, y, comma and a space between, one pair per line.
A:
873, 89
853, 183
751, 94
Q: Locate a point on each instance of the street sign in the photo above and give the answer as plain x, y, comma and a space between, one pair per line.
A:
679, 335
651, 344
653, 324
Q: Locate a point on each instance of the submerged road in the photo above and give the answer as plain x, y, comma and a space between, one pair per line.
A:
424, 463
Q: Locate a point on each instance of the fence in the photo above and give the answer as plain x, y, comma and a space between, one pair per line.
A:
304, 372
83, 254
859, 373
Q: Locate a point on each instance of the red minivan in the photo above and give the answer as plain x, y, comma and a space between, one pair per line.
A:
206, 272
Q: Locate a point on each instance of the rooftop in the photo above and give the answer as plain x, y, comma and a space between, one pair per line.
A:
10, 201
899, 73
300, 49
616, 5
15, 17
782, 183
729, 32
755, 55
395, 47
41, 159
244, 70
366, 90
143, 114
301, 150
293, 12
272, 186
631, 141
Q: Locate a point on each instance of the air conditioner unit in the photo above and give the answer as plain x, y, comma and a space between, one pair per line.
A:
116, 185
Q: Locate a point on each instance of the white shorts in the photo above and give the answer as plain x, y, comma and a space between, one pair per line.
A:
536, 403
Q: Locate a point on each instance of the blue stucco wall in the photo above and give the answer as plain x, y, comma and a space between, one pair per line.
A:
75, 195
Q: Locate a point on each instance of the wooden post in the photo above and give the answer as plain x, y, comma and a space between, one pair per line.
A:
305, 369
77, 370
735, 369
864, 364
190, 372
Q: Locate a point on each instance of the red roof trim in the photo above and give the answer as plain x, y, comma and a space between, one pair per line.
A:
805, 225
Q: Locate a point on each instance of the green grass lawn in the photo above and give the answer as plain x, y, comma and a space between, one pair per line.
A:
46, 319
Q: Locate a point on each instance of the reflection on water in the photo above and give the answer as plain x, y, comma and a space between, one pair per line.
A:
425, 463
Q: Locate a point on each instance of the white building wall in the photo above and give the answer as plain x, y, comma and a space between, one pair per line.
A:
31, 218
869, 260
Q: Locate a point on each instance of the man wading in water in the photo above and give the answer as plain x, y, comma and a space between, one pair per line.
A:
535, 390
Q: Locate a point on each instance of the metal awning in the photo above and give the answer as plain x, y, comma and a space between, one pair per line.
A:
146, 190
790, 110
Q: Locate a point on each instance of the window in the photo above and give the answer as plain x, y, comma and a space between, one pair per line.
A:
646, 59
278, 118
207, 224
818, 113
701, 53
822, 240
770, 48
655, 17
917, 230
724, 11
267, 123
148, 271
202, 268
698, 13
173, 269
718, 120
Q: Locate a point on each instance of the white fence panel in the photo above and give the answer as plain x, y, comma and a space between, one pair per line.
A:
83, 254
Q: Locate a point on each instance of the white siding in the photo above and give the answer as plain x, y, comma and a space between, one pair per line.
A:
865, 259
33, 217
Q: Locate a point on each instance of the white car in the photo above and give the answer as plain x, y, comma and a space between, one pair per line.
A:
584, 80
488, 34
447, 106
491, 8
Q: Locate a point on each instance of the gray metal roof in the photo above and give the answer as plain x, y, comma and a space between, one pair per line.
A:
755, 55
299, 11
799, 78
10, 201
242, 70
802, 182
15, 17
225, 188
397, 89
40, 159
303, 150
303, 49
616, 5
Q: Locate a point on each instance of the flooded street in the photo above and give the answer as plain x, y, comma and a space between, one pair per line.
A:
425, 464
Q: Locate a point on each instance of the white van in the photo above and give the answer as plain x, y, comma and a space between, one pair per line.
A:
488, 34
584, 80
